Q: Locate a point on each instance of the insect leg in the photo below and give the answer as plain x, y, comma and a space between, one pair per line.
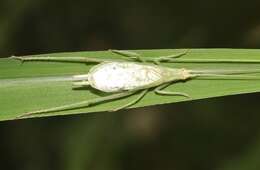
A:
139, 97
158, 90
79, 105
128, 54
169, 57
60, 59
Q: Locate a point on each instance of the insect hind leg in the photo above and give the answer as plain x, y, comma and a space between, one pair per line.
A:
76, 59
78, 105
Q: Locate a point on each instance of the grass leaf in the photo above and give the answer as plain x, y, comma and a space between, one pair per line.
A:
37, 85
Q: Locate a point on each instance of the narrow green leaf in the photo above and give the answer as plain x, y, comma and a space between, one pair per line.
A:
39, 85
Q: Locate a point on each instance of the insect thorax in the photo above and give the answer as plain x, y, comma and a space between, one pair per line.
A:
119, 76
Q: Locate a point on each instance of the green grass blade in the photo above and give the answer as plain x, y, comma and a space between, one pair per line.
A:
40, 85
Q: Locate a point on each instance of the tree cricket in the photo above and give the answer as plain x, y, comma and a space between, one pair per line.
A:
135, 74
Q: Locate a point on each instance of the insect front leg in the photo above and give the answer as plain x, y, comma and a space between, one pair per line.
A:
139, 97
129, 54
158, 90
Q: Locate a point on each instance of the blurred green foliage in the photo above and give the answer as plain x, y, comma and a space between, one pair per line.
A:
220, 133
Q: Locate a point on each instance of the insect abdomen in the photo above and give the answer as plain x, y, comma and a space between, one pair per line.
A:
119, 76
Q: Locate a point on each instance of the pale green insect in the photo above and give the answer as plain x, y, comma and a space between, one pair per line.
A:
124, 78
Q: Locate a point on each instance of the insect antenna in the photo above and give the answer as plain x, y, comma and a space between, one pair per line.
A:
225, 74
219, 71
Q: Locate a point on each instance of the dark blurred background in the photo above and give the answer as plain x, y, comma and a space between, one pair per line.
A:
219, 133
